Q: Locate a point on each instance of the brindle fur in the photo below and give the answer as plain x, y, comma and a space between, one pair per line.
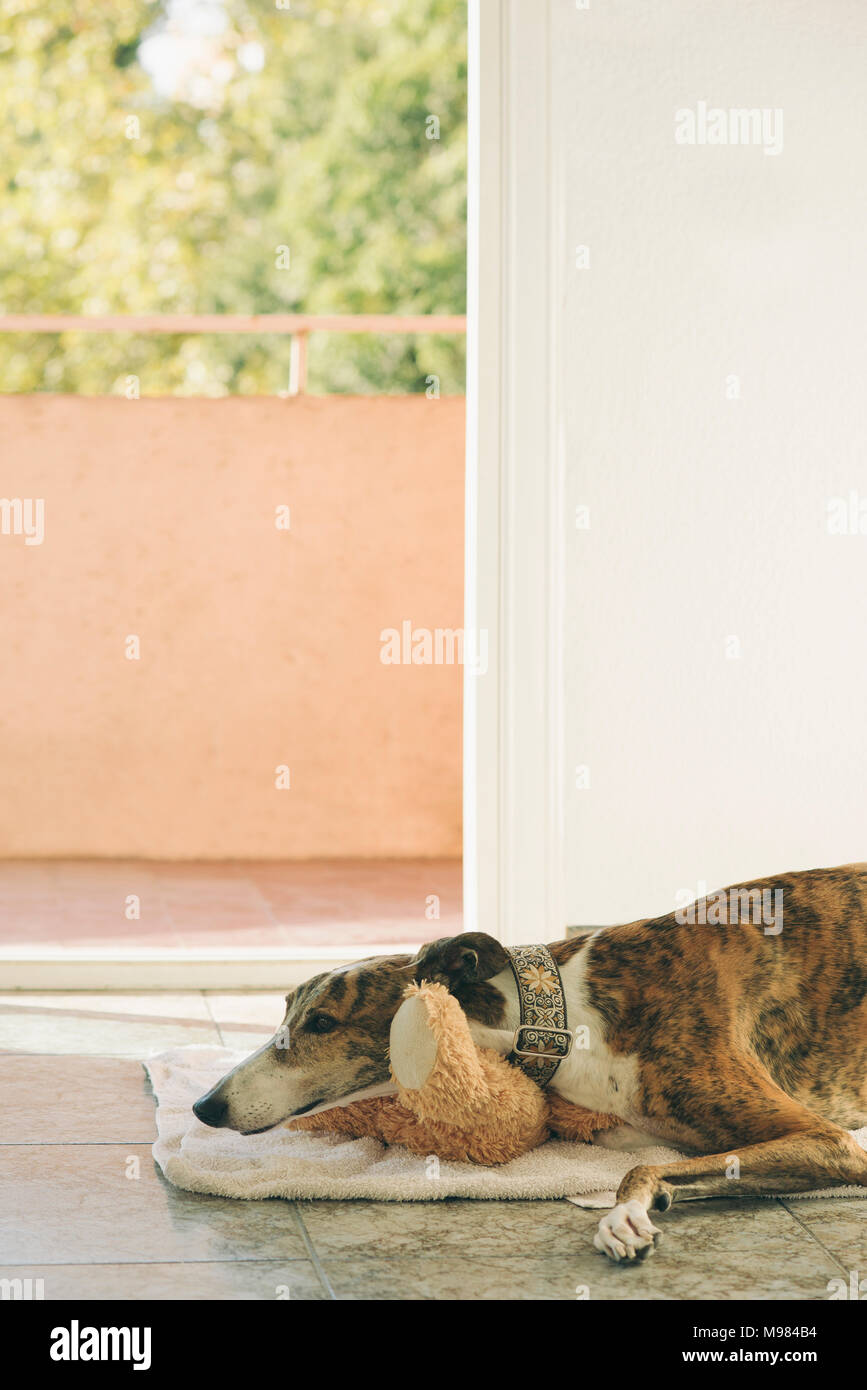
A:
363, 1000
725, 1020
748, 1045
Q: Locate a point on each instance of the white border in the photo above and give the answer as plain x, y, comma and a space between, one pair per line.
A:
513, 724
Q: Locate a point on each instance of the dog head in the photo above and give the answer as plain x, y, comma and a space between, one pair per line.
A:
334, 1037
333, 1041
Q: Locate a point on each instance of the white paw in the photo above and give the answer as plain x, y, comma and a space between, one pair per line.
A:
626, 1233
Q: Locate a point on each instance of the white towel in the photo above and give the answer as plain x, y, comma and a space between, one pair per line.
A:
281, 1163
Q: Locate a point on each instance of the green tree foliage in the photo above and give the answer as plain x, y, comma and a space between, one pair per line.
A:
132, 186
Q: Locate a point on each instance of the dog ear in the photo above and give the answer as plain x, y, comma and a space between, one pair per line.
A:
460, 960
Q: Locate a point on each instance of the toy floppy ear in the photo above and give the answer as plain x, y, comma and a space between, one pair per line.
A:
460, 960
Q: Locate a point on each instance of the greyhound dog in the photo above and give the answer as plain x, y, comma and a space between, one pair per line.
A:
741, 1044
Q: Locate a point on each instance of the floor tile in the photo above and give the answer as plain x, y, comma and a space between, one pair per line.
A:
246, 1021
723, 1249
839, 1223
74, 1100
72, 1204
704, 1255
451, 1226
247, 1011
410, 1278
261, 1280
103, 1024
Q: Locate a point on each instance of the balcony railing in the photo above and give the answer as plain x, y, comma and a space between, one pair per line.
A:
297, 326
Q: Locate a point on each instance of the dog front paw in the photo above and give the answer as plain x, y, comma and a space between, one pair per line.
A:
627, 1233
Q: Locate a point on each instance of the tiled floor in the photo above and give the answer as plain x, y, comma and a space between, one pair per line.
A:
83, 1208
335, 902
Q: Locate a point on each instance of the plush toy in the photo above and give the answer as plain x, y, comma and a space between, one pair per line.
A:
454, 1099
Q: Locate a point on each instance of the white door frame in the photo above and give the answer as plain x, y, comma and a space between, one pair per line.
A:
513, 724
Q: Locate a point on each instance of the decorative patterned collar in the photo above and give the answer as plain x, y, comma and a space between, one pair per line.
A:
542, 1039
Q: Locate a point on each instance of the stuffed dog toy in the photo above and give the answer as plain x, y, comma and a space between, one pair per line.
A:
454, 1099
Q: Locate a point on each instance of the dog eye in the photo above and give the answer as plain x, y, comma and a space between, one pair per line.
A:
321, 1023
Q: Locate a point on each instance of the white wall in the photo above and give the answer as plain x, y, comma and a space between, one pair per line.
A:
708, 515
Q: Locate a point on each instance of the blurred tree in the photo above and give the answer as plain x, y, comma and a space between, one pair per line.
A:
217, 156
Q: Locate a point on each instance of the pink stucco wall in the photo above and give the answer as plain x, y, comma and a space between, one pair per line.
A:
259, 647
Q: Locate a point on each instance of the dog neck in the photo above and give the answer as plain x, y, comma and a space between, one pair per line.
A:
494, 1011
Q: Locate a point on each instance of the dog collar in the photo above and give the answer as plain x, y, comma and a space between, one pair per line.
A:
542, 1038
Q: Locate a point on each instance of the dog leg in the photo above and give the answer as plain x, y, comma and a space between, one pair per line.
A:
814, 1154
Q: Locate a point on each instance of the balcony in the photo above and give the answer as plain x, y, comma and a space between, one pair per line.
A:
197, 723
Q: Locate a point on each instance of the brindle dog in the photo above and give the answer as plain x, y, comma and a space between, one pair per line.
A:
745, 1046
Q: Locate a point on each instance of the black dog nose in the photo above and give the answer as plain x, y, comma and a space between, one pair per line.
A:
211, 1111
